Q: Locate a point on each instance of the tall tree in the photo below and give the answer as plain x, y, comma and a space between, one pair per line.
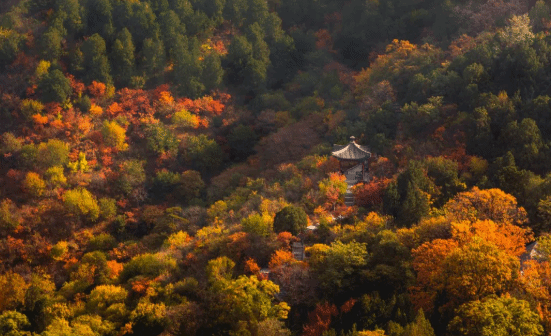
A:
122, 58
96, 63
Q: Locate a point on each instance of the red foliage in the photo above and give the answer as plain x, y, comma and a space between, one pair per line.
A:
371, 194
319, 319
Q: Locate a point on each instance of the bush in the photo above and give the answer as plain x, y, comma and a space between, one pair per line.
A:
81, 203
102, 242
149, 265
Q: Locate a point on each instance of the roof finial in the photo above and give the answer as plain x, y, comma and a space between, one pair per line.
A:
352, 138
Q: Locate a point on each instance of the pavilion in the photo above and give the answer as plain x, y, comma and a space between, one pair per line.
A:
352, 153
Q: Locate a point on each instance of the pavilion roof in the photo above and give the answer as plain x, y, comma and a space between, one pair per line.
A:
352, 151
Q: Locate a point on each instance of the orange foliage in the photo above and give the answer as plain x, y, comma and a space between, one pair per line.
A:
281, 257
114, 110
140, 286
251, 267
286, 238
96, 110
97, 89
508, 237
428, 262
493, 204
206, 105
40, 119
114, 269
77, 86
536, 280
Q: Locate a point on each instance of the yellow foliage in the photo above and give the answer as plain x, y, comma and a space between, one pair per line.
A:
114, 135
34, 184
42, 68
12, 290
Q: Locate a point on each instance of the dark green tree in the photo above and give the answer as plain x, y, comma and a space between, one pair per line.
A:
171, 28
96, 63
188, 67
290, 219
212, 73
99, 17
55, 87
122, 58
242, 140
201, 153
153, 59
50, 44
10, 42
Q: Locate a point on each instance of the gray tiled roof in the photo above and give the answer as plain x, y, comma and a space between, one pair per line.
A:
352, 151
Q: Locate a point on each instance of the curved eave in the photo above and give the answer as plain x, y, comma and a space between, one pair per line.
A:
352, 151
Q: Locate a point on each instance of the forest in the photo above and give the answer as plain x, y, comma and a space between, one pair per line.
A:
159, 159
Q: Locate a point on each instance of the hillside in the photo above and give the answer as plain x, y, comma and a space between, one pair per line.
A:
162, 162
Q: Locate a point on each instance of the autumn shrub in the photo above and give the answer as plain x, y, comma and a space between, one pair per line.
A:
54, 152
30, 107
107, 208
149, 265
114, 135
81, 203
55, 177
34, 184
102, 242
184, 118
160, 139
258, 224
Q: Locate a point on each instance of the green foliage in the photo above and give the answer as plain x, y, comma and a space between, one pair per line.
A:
55, 176
81, 203
160, 139
50, 44
242, 140
153, 59
498, 316
8, 216
131, 176
419, 327
107, 207
13, 323
102, 242
122, 58
408, 199
243, 302
149, 318
95, 63
184, 118
55, 87
149, 265
340, 268
52, 153
201, 153
10, 42
259, 224
290, 219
